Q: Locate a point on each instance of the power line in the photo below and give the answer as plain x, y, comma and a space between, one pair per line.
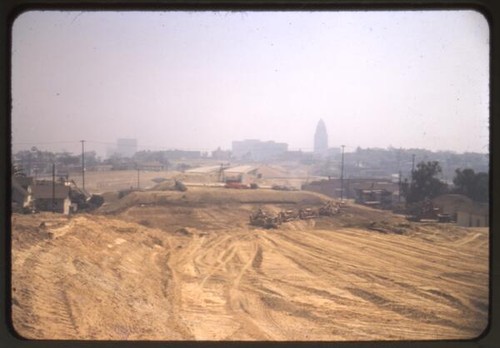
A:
45, 143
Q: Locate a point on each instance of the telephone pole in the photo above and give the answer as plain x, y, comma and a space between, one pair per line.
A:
342, 175
138, 178
399, 175
83, 163
412, 167
53, 187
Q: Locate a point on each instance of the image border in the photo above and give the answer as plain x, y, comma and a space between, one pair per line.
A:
10, 9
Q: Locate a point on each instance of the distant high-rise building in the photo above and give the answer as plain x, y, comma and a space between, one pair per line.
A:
126, 147
256, 150
320, 138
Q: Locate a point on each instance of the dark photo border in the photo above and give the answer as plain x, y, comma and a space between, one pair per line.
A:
10, 9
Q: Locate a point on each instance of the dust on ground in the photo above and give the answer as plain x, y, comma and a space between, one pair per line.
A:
188, 266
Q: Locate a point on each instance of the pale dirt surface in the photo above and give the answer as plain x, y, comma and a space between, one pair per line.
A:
114, 180
197, 271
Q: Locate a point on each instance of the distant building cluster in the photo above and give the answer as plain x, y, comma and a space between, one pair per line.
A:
374, 176
245, 150
125, 147
256, 150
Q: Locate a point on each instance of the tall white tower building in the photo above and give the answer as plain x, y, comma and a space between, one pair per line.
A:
320, 138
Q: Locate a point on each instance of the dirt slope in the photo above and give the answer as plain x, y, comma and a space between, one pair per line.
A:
198, 196
160, 272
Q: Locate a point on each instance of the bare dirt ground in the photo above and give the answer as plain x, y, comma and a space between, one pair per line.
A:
189, 267
115, 180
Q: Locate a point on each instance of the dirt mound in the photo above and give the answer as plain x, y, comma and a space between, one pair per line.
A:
32, 229
197, 196
169, 185
103, 278
268, 171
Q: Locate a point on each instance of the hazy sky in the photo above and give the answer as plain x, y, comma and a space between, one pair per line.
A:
199, 80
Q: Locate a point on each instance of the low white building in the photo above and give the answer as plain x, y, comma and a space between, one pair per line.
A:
245, 174
52, 198
22, 195
475, 215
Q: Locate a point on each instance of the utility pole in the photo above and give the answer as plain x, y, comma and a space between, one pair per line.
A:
83, 163
342, 175
399, 175
221, 173
399, 185
138, 177
53, 187
412, 166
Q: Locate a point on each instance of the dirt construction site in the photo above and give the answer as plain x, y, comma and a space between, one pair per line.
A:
168, 265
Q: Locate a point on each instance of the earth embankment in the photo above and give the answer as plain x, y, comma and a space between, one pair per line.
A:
199, 271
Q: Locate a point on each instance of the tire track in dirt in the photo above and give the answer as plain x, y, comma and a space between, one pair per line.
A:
437, 296
427, 267
433, 294
221, 262
174, 292
273, 294
238, 304
219, 268
246, 283
370, 274
411, 252
412, 313
323, 263
253, 311
53, 301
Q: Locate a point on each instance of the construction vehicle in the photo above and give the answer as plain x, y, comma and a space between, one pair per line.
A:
283, 188
288, 215
329, 209
264, 219
180, 186
307, 213
236, 185
424, 210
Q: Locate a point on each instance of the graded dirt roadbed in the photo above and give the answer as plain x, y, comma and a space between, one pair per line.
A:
113, 277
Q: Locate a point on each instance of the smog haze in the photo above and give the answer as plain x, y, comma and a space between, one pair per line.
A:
200, 80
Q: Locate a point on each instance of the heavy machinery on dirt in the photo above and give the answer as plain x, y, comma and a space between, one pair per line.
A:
265, 219
288, 215
236, 185
424, 210
329, 209
307, 213
180, 186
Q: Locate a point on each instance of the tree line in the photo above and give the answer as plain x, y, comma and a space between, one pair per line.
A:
425, 184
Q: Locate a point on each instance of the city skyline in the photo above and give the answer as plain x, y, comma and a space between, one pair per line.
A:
200, 80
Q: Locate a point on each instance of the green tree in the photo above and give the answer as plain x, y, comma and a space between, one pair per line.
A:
424, 184
473, 185
17, 170
67, 158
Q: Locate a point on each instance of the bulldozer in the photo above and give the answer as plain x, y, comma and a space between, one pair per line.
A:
264, 219
307, 213
288, 215
329, 209
424, 210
